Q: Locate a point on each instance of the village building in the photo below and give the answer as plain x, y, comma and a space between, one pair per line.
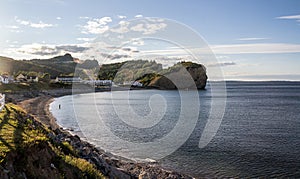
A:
25, 78
68, 79
5, 79
137, 84
34, 79
21, 78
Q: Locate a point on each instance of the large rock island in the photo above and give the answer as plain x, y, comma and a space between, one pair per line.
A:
184, 75
149, 74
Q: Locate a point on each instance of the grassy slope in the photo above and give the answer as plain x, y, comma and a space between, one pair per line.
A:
21, 87
26, 148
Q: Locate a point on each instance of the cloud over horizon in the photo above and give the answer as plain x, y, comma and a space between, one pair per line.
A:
252, 38
51, 50
259, 48
221, 64
114, 56
40, 24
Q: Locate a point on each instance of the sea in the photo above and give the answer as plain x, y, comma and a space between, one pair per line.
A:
250, 129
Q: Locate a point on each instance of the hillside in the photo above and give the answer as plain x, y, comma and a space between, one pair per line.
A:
29, 150
60, 65
149, 73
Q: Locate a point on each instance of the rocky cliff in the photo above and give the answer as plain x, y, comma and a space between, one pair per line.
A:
183, 75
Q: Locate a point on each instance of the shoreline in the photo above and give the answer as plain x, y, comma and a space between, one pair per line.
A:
111, 165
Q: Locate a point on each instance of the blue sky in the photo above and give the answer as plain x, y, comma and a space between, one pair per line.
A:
253, 40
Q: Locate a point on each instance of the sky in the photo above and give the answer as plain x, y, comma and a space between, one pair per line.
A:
251, 40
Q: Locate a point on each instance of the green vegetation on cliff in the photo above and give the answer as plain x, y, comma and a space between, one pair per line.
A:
151, 74
27, 150
128, 71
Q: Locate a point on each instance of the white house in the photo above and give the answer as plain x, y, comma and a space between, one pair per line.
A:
137, 84
32, 79
68, 79
24, 78
5, 79
103, 82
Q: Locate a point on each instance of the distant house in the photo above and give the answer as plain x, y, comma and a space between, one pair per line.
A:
137, 84
32, 79
25, 78
68, 79
21, 78
103, 82
5, 79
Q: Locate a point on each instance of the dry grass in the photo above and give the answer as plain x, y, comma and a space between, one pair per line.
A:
19, 132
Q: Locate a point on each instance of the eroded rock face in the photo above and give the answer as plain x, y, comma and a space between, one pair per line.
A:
186, 75
199, 76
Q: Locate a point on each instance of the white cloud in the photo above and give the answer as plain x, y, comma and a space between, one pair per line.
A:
256, 48
85, 39
221, 64
252, 38
40, 24
121, 17
292, 17
222, 57
84, 17
222, 50
58, 18
297, 17
11, 42
138, 28
149, 28
22, 22
122, 28
137, 41
152, 28
164, 52
12, 27
104, 20
39, 50
138, 16
97, 26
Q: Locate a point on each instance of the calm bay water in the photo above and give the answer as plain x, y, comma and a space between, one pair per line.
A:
259, 135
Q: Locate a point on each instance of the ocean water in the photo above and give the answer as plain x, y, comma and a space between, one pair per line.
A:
259, 135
